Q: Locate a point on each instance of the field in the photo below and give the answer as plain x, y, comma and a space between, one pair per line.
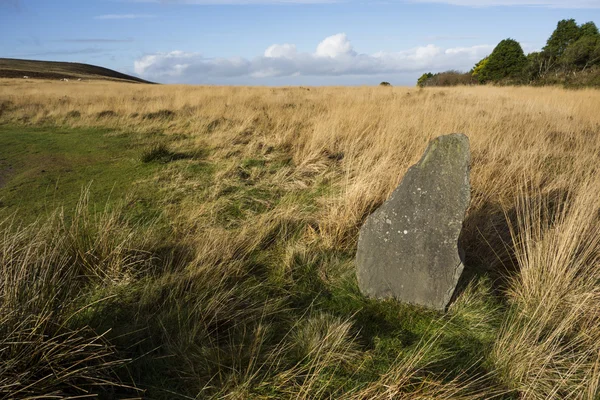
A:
198, 242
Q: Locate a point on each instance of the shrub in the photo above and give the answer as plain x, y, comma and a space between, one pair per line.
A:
454, 78
422, 81
476, 71
447, 78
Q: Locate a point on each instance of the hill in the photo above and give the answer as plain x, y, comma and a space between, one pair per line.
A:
15, 68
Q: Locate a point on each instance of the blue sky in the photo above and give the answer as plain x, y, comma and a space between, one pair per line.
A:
279, 42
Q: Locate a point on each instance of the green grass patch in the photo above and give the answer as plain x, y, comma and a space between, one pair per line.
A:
45, 168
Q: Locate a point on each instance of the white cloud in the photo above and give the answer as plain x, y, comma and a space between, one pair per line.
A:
123, 16
538, 3
281, 51
333, 57
428, 52
335, 46
471, 52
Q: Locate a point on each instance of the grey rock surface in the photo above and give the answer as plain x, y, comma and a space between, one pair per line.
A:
408, 248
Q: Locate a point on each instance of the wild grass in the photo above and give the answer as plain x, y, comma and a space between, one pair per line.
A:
552, 326
46, 268
249, 291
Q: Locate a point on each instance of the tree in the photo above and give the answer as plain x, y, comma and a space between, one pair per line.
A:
566, 32
582, 53
422, 81
506, 61
589, 29
534, 69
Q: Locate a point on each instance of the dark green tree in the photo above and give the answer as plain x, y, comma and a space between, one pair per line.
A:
582, 53
507, 61
566, 32
589, 29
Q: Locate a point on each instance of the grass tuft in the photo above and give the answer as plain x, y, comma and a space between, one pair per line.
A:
158, 153
161, 115
46, 268
107, 114
74, 114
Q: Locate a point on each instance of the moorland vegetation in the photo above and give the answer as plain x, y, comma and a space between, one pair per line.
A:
198, 242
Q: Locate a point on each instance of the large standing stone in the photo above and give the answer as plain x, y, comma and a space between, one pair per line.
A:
408, 248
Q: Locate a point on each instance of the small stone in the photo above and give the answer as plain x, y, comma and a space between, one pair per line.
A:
431, 201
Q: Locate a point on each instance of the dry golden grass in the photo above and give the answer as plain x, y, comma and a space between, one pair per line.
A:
360, 140
532, 224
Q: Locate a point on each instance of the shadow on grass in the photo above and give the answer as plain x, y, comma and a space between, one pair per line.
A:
487, 240
160, 115
160, 153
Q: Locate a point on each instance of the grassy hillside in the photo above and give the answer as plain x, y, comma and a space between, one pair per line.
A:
14, 68
207, 240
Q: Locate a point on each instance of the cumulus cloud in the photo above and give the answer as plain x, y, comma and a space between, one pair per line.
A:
335, 46
281, 51
334, 56
539, 3
123, 16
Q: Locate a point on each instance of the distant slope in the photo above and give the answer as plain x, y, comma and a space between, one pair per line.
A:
14, 68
